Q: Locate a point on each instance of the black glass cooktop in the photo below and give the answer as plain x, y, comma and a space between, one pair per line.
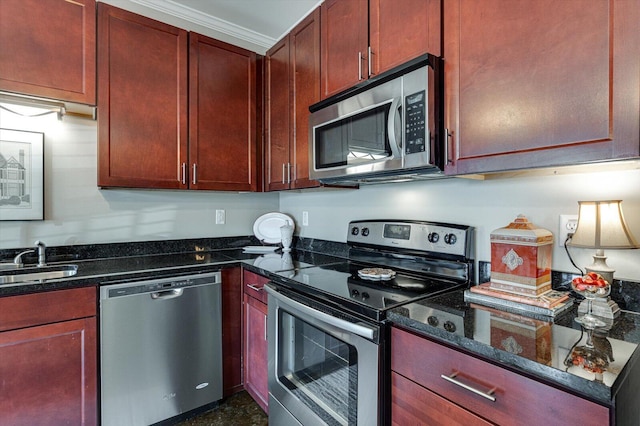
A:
341, 285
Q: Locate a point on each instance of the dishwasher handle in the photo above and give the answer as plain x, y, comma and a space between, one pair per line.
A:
168, 294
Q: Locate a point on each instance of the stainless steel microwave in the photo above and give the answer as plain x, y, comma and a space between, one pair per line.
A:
388, 128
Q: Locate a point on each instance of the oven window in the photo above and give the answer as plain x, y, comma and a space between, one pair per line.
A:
320, 370
361, 138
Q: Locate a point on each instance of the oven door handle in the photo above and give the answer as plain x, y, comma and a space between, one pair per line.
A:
361, 330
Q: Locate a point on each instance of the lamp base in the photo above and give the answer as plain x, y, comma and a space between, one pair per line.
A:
601, 307
599, 266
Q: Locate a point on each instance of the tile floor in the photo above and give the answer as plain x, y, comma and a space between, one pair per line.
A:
238, 410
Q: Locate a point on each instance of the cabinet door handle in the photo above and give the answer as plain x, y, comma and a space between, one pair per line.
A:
370, 53
283, 165
447, 137
254, 287
265, 327
194, 173
359, 66
184, 173
452, 379
288, 172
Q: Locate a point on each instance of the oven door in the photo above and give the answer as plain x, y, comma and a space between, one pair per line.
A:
322, 369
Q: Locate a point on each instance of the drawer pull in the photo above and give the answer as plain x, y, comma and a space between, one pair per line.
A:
253, 287
452, 379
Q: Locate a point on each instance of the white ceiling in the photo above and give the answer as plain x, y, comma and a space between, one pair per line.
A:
257, 22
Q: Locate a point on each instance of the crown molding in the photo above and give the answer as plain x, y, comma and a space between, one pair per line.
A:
194, 16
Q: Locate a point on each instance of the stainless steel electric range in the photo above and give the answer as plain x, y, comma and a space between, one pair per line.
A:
328, 337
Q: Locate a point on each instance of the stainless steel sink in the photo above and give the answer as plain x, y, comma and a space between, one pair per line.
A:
21, 275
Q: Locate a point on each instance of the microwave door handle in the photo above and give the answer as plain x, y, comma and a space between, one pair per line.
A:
395, 141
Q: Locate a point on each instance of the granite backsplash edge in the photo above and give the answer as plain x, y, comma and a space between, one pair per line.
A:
626, 293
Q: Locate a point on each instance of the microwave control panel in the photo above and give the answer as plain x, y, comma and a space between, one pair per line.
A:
415, 111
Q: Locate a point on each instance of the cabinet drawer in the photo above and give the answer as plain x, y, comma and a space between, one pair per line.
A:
47, 307
518, 399
253, 284
411, 404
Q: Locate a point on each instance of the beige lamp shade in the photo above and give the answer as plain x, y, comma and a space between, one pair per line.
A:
601, 225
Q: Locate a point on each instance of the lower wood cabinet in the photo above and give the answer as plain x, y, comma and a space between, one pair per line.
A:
255, 339
420, 393
231, 330
413, 404
48, 358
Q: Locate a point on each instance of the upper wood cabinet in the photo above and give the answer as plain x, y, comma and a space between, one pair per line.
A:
222, 115
540, 83
363, 38
176, 110
142, 101
49, 49
292, 84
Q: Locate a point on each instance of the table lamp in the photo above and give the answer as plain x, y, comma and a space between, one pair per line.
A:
601, 226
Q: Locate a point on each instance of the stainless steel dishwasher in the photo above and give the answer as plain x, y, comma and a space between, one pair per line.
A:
160, 348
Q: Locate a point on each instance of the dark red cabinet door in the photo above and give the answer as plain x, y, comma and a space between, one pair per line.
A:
403, 30
536, 83
222, 116
255, 351
142, 101
49, 49
304, 45
345, 41
278, 117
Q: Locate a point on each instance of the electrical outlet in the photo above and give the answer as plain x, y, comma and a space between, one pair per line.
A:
568, 225
220, 217
305, 218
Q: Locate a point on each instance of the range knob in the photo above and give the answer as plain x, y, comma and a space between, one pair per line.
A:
433, 321
355, 293
365, 295
355, 230
450, 239
365, 232
433, 237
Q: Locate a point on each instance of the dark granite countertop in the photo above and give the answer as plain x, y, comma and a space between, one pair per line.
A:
534, 347
104, 267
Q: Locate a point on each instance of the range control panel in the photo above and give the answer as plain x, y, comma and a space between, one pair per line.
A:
421, 236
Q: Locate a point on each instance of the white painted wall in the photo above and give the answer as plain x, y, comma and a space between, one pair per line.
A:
78, 212
486, 205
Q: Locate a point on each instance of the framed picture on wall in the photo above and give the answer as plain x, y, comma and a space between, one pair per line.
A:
21, 175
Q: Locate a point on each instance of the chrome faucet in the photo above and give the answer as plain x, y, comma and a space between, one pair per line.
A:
41, 247
42, 260
18, 259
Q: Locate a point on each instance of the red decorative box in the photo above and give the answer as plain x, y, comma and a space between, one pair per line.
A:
521, 258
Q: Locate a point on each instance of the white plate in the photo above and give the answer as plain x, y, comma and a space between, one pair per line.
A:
259, 249
267, 227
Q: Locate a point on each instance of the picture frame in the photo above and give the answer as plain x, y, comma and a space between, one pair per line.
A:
21, 175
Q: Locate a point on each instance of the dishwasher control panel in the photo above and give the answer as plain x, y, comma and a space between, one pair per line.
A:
128, 288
